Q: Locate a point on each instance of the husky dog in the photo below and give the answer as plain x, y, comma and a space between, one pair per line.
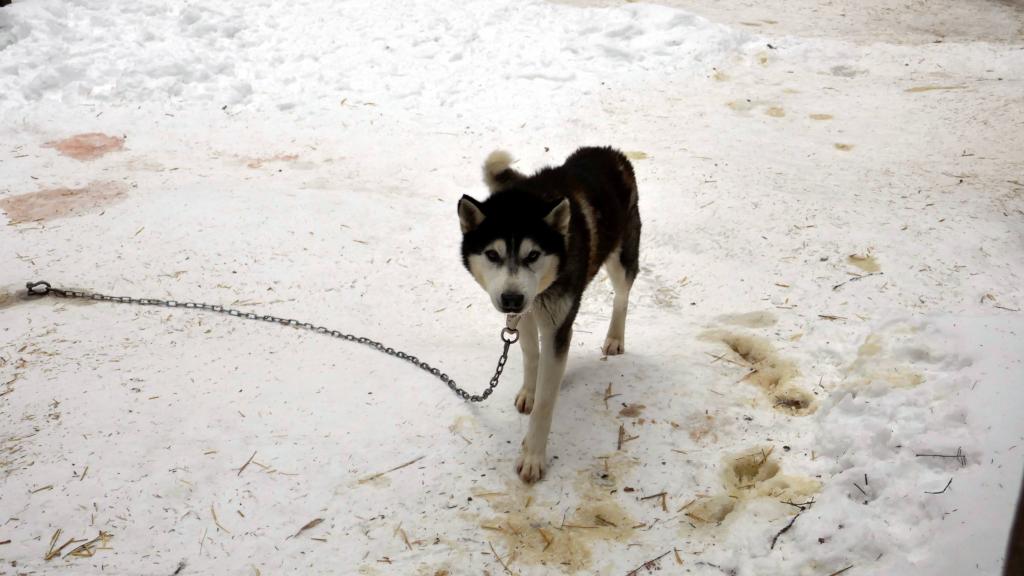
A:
534, 245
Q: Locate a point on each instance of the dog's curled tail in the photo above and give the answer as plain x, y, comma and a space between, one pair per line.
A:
498, 171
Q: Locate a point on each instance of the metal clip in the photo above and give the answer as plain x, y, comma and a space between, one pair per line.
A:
40, 288
510, 335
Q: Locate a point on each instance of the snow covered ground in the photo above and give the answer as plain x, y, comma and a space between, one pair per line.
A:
833, 200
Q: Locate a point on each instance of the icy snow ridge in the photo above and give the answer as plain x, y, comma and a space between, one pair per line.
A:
439, 53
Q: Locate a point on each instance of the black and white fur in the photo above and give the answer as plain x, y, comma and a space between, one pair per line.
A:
534, 245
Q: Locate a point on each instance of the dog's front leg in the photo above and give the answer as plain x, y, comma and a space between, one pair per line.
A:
553, 352
531, 356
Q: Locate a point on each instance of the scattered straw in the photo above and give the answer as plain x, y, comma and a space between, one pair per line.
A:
959, 456
88, 549
311, 524
399, 467
650, 565
548, 540
854, 279
405, 538
217, 522
608, 395
246, 465
500, 561
623, 437
663, 496
928, 88
56, 552
490, 494
687, 505
786, 529
944, 489
604, 521
53, 541
718, 357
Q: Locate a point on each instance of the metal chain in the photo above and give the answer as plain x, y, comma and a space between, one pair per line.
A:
509, 334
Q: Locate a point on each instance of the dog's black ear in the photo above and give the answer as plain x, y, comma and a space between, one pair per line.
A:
558, 217
471, 213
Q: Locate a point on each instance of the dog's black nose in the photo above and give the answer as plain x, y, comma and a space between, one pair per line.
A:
512, 301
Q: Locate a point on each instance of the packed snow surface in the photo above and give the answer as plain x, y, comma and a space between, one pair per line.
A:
823, 354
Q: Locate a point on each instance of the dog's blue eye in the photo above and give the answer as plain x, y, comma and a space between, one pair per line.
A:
531, 257
492, 256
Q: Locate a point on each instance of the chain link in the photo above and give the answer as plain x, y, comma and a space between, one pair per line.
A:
509, 335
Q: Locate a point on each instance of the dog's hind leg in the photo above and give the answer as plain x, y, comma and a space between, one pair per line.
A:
531, 354
615, 341
622, 266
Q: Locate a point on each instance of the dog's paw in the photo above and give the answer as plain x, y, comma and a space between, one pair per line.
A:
613, 346
530, 466
524, 401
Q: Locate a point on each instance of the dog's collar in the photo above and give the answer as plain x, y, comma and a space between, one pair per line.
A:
512, 320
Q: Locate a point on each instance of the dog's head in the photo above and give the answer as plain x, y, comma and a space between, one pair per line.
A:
513, 244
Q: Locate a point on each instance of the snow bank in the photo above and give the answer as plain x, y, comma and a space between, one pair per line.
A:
428, 55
